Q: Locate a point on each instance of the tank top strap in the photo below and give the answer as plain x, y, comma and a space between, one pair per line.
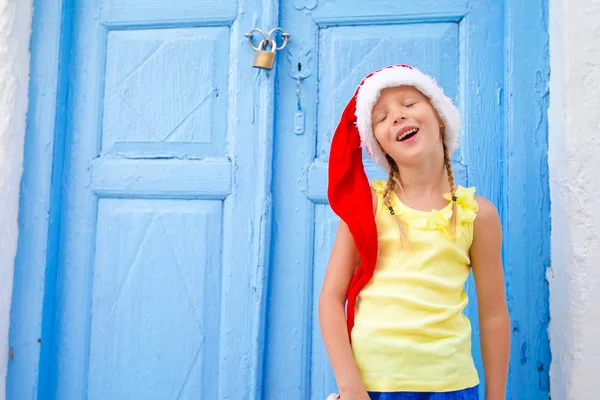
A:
466, 204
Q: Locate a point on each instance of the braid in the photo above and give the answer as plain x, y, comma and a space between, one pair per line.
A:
393, 180
390, 184
448, 163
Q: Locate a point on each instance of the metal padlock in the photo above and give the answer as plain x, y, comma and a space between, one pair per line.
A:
265, 59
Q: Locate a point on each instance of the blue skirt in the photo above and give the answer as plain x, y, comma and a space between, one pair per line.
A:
464, 394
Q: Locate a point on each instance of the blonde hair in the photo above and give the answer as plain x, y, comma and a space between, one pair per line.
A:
394, 180
450, 174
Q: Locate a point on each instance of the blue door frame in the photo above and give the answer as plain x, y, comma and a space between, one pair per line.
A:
526, 212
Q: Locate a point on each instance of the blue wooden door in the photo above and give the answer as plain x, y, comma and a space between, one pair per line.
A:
163, 205
334, 45
189, 228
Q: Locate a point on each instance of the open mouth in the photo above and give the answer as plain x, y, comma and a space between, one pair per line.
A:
407, 134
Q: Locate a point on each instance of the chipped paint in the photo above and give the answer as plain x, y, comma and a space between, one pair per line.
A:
527, 206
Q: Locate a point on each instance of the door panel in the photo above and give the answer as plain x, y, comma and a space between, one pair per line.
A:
357, 12
186, 109
157, 12
155, 298
339, 43
167, 168
431, 46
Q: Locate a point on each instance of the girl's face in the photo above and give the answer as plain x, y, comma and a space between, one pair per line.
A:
406, 125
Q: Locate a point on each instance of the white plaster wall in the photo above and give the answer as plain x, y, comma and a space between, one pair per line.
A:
15, 31
574, 160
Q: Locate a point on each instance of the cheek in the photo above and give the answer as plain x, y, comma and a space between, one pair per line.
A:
377, 134
430, 118
382, 138
380, 134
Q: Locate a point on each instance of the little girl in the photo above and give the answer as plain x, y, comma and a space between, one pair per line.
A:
404, 250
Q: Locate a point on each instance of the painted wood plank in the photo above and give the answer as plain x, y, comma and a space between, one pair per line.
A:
358, 12
34, 275
481, 80
156, 11
161, 150
288, 340
247, 212
68, 335
208, 179
527, 201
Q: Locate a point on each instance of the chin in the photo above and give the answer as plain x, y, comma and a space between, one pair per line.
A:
408, 157
410, 151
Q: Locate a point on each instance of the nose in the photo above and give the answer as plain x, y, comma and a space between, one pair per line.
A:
398, 116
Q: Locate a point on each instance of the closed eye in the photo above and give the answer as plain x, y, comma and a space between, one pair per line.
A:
382, 118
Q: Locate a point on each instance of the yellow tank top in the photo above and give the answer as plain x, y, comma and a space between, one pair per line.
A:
410, 333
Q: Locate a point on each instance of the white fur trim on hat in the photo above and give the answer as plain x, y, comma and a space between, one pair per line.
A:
402, 75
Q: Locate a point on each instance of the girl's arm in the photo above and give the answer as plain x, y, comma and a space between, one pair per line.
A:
332, 316
494, 321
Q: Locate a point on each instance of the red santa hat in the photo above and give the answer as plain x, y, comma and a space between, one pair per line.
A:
349, 191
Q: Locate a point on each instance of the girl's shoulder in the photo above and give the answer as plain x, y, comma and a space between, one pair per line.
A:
487, 228
486, 212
